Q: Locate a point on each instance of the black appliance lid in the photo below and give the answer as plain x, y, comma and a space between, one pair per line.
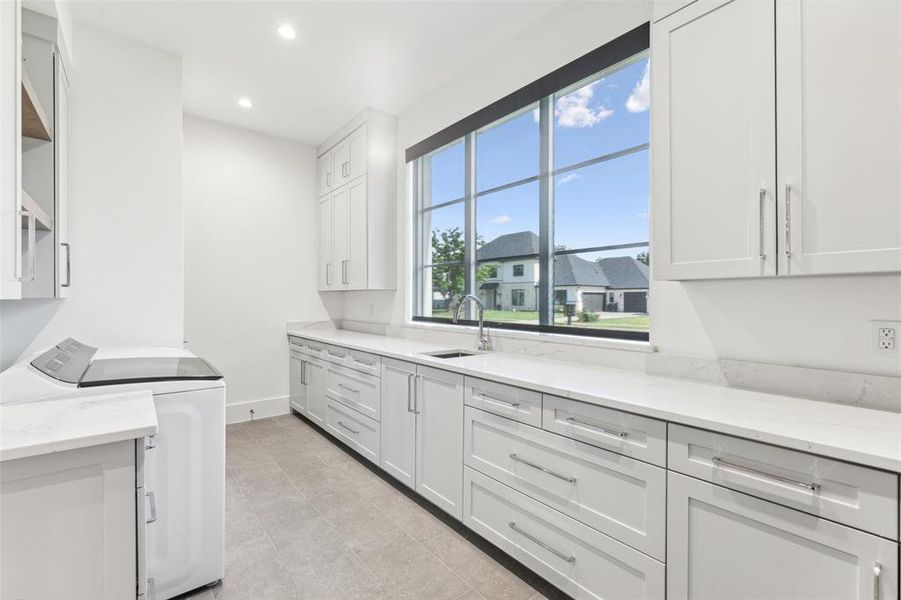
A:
117, 371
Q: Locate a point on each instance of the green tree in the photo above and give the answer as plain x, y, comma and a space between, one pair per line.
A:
448, 246
644, 257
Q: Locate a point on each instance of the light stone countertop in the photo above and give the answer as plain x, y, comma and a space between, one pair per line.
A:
858, 435
58, 425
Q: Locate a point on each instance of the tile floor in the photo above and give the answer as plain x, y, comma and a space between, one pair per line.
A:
306, 519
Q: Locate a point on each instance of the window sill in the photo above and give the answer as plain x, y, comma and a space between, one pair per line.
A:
541, 336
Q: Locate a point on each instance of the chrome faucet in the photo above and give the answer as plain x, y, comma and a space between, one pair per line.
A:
484, 343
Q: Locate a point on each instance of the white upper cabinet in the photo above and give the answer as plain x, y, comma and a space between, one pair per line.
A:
839, 111
725, 74
714, 136
357, 173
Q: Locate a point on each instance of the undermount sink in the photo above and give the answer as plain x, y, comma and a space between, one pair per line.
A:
451, 353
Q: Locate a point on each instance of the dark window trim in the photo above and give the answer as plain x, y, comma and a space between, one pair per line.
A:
617, 334
611, 53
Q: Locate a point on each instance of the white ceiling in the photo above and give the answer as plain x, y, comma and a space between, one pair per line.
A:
347, 55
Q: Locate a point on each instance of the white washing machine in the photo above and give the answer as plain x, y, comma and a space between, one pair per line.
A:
184, 462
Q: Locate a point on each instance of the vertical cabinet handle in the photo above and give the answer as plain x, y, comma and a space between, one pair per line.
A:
877, 579
303, 372
411, 391
328, 273
152, 498
788, 219
68, 264
344, 272
761, 200
328, 180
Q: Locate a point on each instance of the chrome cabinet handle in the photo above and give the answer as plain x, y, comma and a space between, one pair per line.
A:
348, 388
410, 391
303, 372
567, 557
364, 362
344, 272
68, 265
151, 442
336, 355
152, 497
353, 431
812, 487
877, 579
485, 398
328, 180
788, 219
762, 216
620, 434
328, 273
566, 478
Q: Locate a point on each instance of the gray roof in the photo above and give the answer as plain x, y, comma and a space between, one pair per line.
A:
620, 272
521, 243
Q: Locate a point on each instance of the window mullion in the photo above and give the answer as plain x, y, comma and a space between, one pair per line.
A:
546, 213
469, 251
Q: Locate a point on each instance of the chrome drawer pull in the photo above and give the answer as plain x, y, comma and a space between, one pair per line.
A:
604, 430
348, 388
525, 534
542, 469
353, 431
152, 498
363, 362
812, 487
877, 576
335, 354
485, 398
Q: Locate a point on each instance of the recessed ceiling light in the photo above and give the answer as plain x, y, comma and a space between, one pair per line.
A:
245, 103
287, 32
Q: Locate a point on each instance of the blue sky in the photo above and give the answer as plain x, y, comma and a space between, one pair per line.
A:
606, 203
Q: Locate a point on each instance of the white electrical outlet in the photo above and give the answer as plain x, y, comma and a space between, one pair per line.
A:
886, 334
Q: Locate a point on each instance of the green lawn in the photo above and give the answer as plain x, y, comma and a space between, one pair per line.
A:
631, 322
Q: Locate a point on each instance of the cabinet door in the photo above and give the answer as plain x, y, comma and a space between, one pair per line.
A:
315, 378
439, 438
723, 544
69, 524
355, 267
839, 108
298, 383
340, 237
61, 147
326, 173
326, 244
357, 153
10, 152
398, 455
714, 135
341, 163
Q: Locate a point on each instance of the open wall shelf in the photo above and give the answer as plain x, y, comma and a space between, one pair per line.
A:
43, 221
35, 123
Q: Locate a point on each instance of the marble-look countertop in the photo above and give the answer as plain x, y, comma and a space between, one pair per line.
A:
859, 435
62, 424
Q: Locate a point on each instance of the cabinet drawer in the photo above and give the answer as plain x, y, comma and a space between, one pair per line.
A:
359, 391
314, 348
621, 432
359, 432
336, 354
295, 343
365, 362
622, 497
582, 562
850, 494
508, 401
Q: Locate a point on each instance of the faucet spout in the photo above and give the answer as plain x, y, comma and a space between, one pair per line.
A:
483, 338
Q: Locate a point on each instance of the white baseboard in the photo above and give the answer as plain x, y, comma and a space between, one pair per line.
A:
262, 408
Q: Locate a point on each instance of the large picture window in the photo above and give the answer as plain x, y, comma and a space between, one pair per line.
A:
543, 212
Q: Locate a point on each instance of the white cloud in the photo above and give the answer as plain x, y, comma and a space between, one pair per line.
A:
573, 110
535, 116
642, 215
501, 219
640, 98
567, 178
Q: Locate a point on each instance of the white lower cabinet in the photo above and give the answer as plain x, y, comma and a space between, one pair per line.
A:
579, 560
398, 455
69, 524
723, 544
439, 438
298, 383
357, 431
314, 376
617, 495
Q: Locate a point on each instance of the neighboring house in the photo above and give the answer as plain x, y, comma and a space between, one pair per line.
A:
618, 284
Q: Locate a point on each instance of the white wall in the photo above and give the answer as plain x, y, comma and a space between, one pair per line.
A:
125, 198
821, 322
251, 238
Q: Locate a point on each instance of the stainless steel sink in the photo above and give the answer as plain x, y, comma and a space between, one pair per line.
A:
451, 353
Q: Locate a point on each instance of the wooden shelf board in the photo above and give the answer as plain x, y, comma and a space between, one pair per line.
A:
35, 123
43, 221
